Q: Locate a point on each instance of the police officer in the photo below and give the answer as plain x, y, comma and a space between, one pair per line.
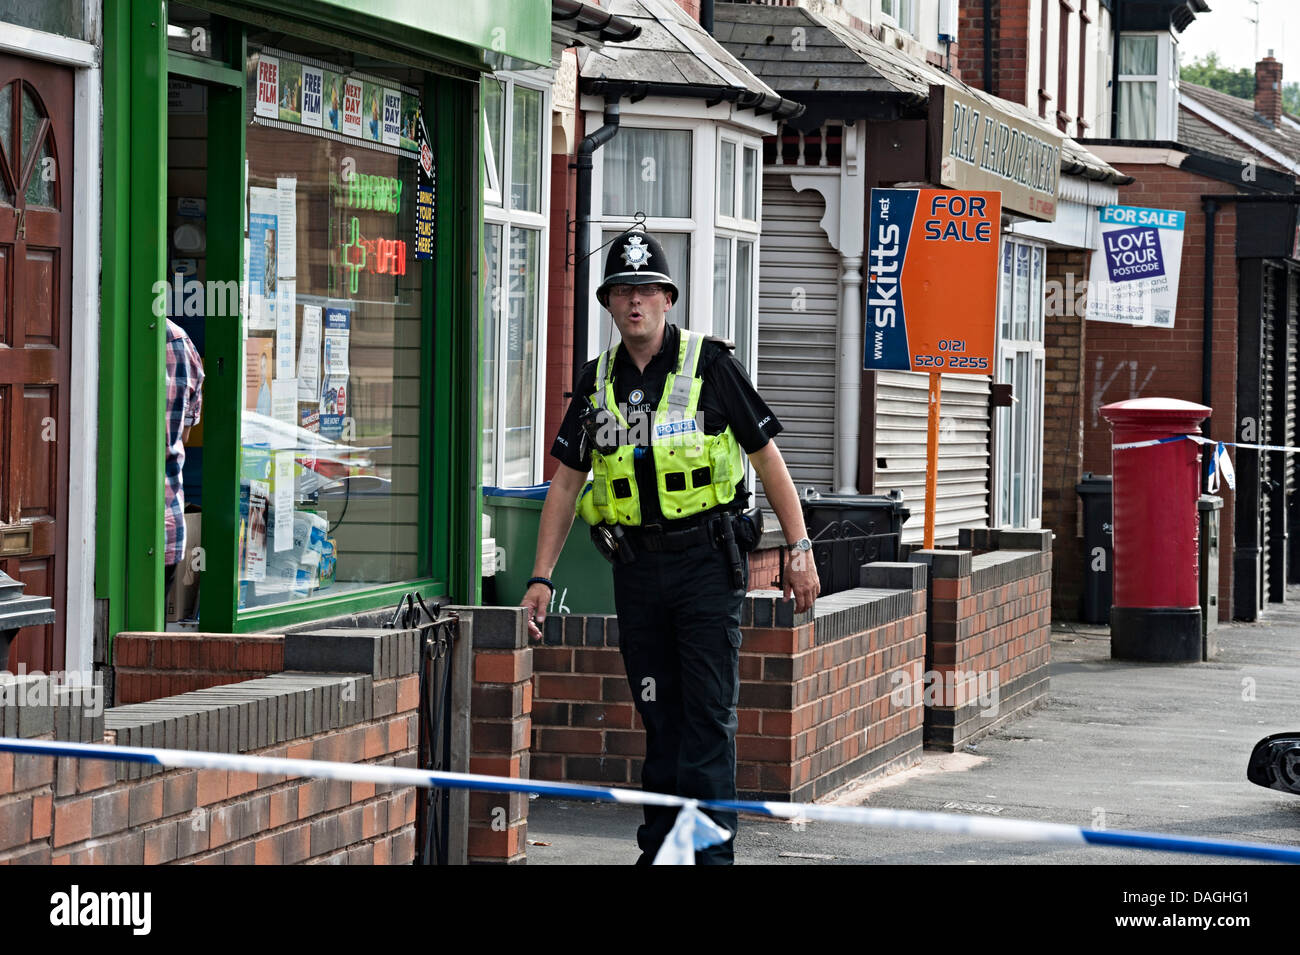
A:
660, 420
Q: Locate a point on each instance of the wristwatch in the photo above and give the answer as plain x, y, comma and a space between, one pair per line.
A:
803, 544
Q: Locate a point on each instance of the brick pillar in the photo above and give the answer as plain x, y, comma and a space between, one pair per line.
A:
501, 704
1063, 411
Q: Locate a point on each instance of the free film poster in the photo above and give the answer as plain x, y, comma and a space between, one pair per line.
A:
268, 87
1135, 266
312, 96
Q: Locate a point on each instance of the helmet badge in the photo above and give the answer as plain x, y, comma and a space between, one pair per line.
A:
635, 253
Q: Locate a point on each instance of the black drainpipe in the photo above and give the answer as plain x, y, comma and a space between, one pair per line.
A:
582, 241
988, 48
706, 16
1114, 71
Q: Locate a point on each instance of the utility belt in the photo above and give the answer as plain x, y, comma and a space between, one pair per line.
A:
732, 531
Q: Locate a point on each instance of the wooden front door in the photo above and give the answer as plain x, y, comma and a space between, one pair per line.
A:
36, 123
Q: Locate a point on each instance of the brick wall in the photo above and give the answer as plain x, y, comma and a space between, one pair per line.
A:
1122, 361
815, 697
1010, 34
1063, 409
989, 639
147, 666
501, 704
90, 812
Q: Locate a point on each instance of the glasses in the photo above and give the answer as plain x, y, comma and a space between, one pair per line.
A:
624, 291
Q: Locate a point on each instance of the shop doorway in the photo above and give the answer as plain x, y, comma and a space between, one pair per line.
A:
36, 147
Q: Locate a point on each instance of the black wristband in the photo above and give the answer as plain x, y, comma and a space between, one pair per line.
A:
540, 580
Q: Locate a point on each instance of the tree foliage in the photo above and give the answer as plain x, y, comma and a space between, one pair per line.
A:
1208, 71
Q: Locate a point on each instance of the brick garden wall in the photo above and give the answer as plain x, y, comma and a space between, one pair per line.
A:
989, 640
815, 697
88, 812
147, 666
1122, 361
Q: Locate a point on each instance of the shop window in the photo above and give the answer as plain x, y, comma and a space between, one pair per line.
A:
332, 430
1021, 293
526, 150
514, 106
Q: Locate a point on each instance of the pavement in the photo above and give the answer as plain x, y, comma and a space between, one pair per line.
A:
1154, 747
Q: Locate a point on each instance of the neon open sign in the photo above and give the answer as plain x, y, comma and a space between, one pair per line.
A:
375, 256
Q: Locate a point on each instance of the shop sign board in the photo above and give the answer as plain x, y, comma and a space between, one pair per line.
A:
982, 147
1135, 265
932, 271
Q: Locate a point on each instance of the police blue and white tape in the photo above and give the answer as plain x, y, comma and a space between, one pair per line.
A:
693, 830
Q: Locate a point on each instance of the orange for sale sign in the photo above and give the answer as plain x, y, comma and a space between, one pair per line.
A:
932, 272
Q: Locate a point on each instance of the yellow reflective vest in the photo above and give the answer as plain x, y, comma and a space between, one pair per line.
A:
694, 471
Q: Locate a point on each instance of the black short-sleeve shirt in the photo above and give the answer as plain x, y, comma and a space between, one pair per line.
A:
727, 397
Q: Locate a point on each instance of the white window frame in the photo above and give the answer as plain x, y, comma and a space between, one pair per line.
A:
497, 211
703, 224
899, 14
1035, 353
1165, 79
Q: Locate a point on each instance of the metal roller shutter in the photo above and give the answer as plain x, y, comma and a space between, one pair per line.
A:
798, 312
899, 457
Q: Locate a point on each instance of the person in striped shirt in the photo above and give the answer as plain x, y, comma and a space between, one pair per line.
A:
184, 403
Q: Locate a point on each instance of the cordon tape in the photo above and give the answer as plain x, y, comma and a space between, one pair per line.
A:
693, 830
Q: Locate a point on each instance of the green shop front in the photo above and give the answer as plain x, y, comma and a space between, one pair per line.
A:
297, 186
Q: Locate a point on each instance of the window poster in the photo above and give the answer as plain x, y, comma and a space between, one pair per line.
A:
283, 500
332, 100
309, 355
286, 210
262, 245
312, 96
268, 87
334, 372
410, 122
352, 106
425, 184
284, 409
257, 375
392, 135
372, 117
290, 91
254, 508
285, 326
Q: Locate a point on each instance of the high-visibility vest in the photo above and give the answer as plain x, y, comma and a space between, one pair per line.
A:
694, 471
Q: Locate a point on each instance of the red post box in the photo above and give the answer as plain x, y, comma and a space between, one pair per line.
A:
1156, 612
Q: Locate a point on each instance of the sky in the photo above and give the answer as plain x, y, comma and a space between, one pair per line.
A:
1228, 31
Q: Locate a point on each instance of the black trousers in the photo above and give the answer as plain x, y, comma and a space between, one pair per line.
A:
679, 633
